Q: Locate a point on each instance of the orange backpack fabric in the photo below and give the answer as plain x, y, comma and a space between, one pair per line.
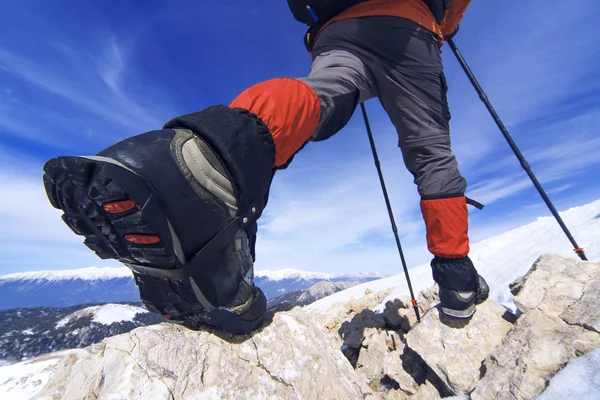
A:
415, 10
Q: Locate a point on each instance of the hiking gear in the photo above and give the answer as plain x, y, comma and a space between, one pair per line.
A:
311, 12
447, 223
399, 62
438, 16
389, 208
454, 273
288, 107
514, 147
462, 304
178, 207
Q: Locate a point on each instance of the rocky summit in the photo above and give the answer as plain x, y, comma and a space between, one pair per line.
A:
352, 352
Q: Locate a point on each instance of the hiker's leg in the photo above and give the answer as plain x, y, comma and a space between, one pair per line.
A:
313, 108
156, 200
410, 83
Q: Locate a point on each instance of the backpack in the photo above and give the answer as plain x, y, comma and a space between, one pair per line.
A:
315, 13
311, 12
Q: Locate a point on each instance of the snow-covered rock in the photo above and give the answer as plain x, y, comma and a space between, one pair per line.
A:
538, 346
559, 324
24, 380
580, 380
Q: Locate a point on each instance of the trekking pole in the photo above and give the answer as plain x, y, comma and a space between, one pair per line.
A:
389, 208
514, 147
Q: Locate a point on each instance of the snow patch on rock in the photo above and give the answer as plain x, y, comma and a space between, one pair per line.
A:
24, 380
580, 379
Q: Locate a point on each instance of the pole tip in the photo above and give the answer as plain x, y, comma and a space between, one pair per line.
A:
581, 253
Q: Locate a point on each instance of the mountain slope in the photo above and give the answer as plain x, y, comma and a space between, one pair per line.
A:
500, 259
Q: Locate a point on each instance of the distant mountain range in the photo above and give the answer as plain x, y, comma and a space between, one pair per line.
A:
30, 332
115, 285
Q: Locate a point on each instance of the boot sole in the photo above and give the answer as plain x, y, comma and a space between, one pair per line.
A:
82, 186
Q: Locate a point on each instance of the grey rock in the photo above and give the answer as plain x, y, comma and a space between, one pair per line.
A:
354, 339
534, 350
291, 358
454, 349
428, 298
343, 318
371, 357
426, 392
394, 314
395, 395
562, 287
585, 312
353, 331
393, 368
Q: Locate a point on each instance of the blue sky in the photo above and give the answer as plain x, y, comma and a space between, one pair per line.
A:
77, 76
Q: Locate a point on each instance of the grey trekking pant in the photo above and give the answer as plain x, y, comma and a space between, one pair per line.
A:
399, 62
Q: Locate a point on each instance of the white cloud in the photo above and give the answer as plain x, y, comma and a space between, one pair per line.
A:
32, 234
339, 222
98, 81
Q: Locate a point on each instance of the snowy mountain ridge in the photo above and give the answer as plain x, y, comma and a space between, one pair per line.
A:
290, 273
106, 273
89, 273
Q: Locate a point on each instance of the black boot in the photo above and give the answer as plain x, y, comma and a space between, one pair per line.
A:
461, 287
179, 207
461, 304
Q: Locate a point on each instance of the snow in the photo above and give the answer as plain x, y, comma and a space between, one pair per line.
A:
500, 259
106, 314
111, 313
580, 379
24, 380
91, 273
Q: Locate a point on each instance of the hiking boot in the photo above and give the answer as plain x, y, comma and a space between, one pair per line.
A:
165, 204
461, 304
